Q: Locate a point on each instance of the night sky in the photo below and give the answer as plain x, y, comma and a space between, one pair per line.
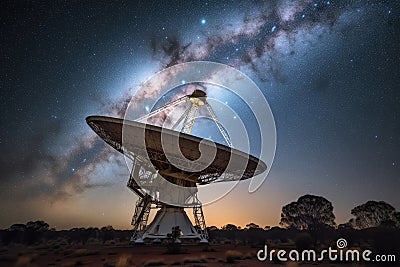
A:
328, 69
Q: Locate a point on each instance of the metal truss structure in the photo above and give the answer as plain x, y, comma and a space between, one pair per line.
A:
165, 174
142, 172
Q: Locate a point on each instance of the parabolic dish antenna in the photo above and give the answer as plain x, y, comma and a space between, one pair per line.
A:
110, 130
169, 165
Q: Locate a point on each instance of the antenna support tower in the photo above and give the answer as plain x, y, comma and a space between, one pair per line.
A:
170, 216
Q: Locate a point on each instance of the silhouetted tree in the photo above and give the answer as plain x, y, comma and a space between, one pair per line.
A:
252, 226
34, 231
106, 233
397, 217
81, 235
252, 234
309, 212
229, 227
373, 214
15, 233
212, 228
17, 227
345, 226
38, 226
213, 232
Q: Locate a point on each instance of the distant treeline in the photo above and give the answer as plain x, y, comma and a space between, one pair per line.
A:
381, 239
39, 232
308, 222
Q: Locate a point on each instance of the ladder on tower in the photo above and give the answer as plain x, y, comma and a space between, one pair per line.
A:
141, 215
200, 222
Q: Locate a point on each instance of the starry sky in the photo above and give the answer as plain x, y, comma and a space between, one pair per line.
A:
328, 69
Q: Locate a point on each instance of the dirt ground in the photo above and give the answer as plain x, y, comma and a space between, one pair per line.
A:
139, 255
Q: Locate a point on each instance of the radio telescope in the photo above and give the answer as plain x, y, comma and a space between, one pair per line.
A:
169, 164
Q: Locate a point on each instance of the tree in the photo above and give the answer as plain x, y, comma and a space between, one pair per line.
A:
374, 214
309, 212
212, 228
252, 226
397, 217
34, 231
229, 227
38, 226
17, 227
82, 235
106, 233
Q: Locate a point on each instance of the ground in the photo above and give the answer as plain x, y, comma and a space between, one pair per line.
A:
120, 255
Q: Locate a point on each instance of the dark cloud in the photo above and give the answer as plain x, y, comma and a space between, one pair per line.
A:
174, 50
20, 158
30, 166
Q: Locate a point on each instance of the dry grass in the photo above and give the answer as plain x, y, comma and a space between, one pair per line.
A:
249, 256
23, 261
201, 259
232, 255
78, 263
291, 264
158, 262
81, 252
123, 260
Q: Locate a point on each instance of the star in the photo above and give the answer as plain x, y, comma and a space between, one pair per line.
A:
82, 83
